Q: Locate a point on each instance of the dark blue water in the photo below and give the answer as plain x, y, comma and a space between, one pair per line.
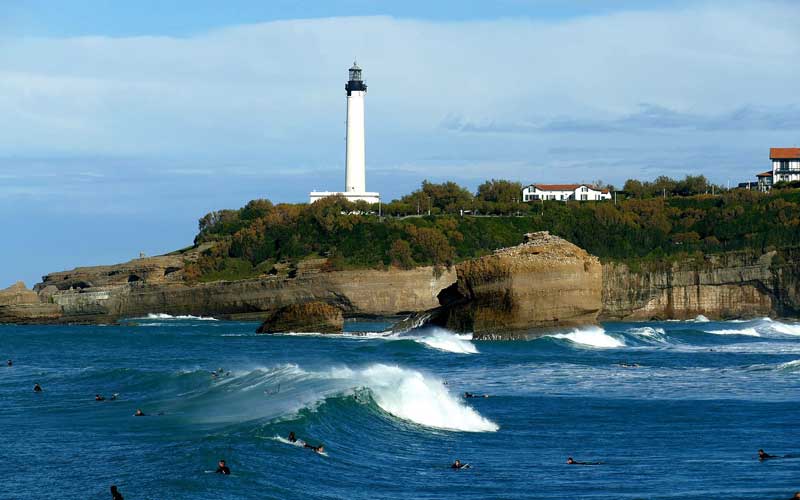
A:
685, 423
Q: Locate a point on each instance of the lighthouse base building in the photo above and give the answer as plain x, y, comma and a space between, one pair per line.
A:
355, 183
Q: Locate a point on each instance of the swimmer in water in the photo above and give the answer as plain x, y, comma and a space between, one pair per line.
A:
316, 449
139, 413
37, 388
98, 397
457, 465
9, 363
471, 395
115, 494
570, 461
763, 455
114, 396
292, 438
222, 468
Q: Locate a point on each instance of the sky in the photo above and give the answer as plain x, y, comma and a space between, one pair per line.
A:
125, 122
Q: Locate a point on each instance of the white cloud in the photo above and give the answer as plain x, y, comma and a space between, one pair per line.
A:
271, 96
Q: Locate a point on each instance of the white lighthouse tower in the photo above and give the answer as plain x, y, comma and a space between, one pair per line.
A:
355, 178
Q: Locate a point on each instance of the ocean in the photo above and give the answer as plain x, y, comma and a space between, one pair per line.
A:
672, 410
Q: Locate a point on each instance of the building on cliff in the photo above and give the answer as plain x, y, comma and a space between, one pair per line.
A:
355, 184
785, 164
785, 168
564, 192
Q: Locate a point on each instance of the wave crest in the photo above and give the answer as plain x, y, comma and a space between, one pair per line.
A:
593, 336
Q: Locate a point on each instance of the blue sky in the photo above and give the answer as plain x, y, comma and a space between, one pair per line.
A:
127, 121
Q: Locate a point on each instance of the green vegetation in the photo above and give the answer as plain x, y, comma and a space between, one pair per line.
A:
645, 226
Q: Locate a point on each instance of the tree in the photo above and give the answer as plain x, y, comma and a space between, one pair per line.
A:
448, 197
499, 191
400, 254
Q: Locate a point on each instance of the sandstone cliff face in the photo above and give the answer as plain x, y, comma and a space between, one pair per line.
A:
105, 294
546, 282
316, 317
726, 286
20, 305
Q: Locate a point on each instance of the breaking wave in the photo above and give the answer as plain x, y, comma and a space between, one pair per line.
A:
273, 393
593, 336
750, 332
790, 366
443, 340
183, 316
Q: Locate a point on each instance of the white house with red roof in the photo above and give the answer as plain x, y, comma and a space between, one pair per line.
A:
564, 192
785, 164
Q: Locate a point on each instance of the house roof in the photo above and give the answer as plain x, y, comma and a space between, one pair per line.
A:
784, 154
765, 174
566, 187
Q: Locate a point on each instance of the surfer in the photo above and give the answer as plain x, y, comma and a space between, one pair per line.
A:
99, 397
292, 438
139, 413
457, 465
316, 449
114, 396
222, 468
471, 395
9, 363
37, 388
628, 365
570, 461
115, 494
763, 455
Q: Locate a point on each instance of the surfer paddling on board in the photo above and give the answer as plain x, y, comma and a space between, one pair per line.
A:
457, 465
570, 461
37, 388
469, 395
315, 449
292, 438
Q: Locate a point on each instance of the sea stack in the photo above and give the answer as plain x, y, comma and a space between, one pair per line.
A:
544, 283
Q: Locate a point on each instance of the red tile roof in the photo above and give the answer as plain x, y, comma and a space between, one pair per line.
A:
765, 174
784, 154
566, 187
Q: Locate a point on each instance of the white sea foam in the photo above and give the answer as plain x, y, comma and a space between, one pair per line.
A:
790, 365
183, 316
700, 319
444, 340
647, 331
750, 332
299, 443
782, 328
410, 395
593, 336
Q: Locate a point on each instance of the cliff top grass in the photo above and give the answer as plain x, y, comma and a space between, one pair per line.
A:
640, 229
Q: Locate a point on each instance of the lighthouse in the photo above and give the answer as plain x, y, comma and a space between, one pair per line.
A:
355, 168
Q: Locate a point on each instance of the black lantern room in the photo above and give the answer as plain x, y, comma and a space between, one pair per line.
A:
355, 83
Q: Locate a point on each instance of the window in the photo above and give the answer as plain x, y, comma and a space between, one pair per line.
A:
584, 197
534, 196
584, 189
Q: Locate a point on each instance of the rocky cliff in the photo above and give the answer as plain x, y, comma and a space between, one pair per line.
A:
725, 286
104, 294
544, 283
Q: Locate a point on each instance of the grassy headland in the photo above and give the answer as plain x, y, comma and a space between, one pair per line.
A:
651, 222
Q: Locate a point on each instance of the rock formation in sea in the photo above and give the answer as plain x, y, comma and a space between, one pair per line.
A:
316, 317
543, 283
546, 282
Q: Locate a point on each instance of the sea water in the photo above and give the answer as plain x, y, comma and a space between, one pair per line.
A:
672, 410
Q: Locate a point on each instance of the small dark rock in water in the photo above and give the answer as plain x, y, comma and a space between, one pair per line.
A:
317, 317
